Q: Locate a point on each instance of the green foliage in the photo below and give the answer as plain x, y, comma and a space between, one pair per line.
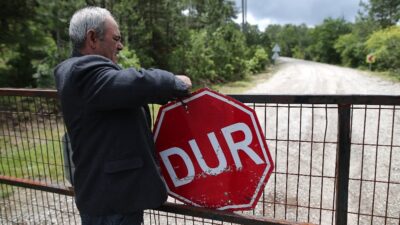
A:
196, 37
351, 50
228, 47
298, 53
44, 66
325, 36
293, 39
253, 35
201, 67
128, 58
385, 12
28, 34
217, 56
351, 46
209, 14
259, 61
364, 26
385, 45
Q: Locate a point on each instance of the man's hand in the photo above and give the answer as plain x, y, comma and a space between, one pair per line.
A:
185, 80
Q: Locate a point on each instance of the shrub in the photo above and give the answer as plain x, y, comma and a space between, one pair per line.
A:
385, 45
258, 62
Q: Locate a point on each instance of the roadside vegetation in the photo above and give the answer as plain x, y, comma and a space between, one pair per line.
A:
375, 33
197, 37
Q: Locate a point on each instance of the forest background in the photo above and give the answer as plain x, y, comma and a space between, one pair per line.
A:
194, 37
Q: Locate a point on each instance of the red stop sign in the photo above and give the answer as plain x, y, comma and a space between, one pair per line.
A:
212, 152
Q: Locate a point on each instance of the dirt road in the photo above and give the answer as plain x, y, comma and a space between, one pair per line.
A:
305, 77
302, 140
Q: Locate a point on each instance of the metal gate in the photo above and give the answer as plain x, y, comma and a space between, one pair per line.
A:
337, 161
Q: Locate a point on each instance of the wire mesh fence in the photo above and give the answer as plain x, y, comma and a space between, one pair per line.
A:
303, 135
303, 141
374, 188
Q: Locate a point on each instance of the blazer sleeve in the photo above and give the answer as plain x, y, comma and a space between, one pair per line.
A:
104, 86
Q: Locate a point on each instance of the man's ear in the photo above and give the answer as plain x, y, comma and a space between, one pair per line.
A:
91, 38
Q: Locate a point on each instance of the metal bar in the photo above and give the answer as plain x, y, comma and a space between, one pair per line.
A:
276, 158
343, 164
222, 215
390, 165
311, 164
36, 185
299, 162
253, 98
50, 93
323, 163
225, 216
264, 128
287, 162
362, 164
320, 99
376, 165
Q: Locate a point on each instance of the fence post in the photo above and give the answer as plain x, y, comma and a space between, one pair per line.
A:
343, 164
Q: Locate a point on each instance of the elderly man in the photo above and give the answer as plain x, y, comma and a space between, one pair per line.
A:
105, 111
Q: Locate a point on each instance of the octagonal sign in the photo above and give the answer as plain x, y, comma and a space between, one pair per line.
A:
212, 151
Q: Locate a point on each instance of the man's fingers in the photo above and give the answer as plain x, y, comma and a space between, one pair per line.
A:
186, 80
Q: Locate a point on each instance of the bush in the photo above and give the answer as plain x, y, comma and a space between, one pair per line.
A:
201, 67
351, 50
218, 56
258, 62
228, 49
385, 45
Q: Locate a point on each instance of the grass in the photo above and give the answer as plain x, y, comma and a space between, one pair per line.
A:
22, 156
40, 161
393, 76
388, 75
239, 87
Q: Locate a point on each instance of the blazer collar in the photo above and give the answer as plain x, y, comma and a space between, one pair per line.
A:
76, 53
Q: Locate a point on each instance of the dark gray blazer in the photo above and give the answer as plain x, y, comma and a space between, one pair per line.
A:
107, 119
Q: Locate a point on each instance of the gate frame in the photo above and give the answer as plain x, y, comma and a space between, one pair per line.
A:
344, 103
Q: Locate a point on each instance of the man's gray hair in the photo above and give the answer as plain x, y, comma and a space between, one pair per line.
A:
84, 20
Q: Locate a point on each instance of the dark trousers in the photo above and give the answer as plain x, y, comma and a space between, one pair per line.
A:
116, 219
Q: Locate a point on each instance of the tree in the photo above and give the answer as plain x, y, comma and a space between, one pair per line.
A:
16, 52
176, 35
385, 12
351, 49
200, 65
228, 48
324, 37
210, 14
273, 33
258, 44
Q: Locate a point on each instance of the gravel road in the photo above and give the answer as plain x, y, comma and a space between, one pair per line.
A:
296, 76
311, 151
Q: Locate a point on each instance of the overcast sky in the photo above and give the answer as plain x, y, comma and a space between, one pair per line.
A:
310, 12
